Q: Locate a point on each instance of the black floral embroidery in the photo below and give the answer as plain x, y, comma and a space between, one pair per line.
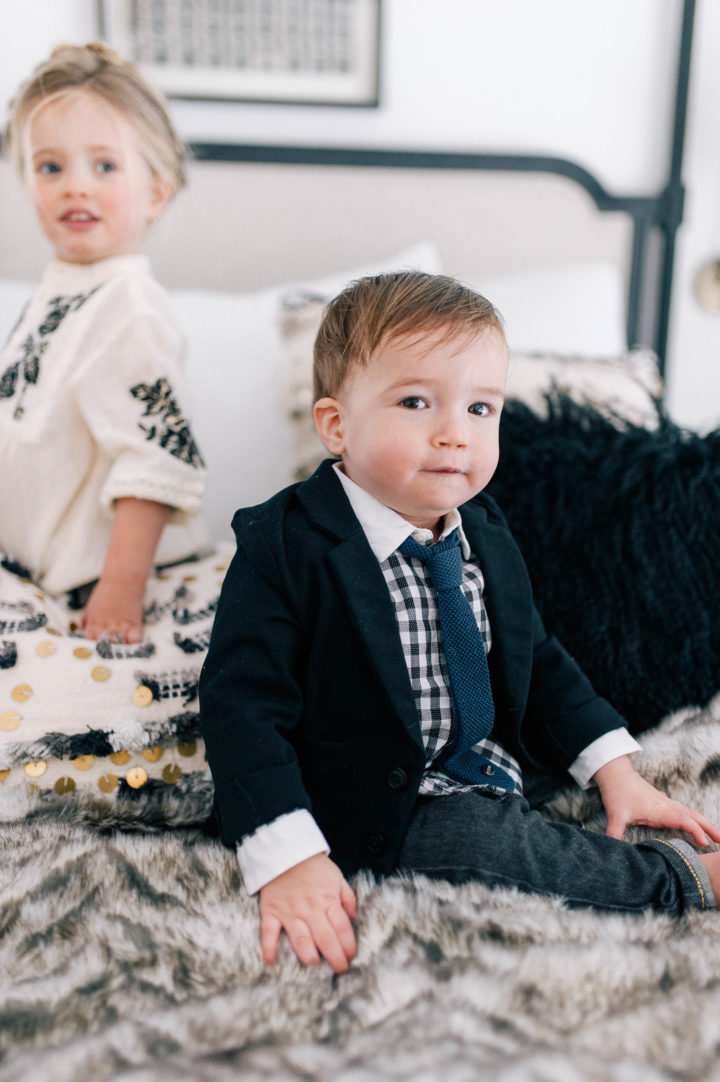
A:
25, 371
168, 426
8, 380
14, 567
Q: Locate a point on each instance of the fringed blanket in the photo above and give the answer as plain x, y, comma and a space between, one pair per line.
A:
107, 722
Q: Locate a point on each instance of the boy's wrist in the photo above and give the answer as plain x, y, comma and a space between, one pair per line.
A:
277, 846
605, 749
613, 770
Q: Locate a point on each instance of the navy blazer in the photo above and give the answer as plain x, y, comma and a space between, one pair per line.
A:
305, 696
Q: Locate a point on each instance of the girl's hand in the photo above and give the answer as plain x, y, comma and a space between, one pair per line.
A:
114, 611
629, 799
115, 605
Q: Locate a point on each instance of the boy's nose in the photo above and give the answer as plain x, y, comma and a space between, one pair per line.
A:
451, 433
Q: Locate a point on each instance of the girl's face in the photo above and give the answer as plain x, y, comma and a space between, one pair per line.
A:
93, 191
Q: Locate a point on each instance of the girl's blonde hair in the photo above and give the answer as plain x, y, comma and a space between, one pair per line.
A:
97, 69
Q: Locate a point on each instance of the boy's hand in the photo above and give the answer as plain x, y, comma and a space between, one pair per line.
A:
629, 799
314, 904
114, 611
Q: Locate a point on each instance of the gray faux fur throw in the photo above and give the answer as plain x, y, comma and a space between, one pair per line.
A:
130, 956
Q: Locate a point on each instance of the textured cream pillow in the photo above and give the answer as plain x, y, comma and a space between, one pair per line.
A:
626, 386
300, 322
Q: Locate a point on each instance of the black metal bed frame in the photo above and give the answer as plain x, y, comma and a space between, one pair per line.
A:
648, 304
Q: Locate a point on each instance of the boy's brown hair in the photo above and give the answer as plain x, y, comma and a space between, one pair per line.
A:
388, 306
97, 69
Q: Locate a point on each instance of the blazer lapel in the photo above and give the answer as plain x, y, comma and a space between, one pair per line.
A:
508, 598
364, 590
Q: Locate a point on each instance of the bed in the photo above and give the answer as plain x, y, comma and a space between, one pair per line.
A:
128, 947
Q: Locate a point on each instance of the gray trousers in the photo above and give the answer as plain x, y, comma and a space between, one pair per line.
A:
505, 843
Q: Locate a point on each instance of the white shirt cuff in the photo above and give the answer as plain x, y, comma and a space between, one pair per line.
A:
276, 847
607, 747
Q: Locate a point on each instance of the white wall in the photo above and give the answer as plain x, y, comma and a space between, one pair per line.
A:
694, 373
590, 80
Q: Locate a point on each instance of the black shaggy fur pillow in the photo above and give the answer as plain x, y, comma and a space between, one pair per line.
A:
620, 529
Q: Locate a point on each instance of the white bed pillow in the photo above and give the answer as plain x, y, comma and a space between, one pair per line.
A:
576, 308
237, 386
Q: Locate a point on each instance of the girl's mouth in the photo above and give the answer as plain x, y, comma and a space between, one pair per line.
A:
78, 217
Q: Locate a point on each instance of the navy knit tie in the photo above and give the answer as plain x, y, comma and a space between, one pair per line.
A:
466, 662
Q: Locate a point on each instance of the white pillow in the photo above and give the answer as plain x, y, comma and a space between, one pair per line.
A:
238, 383
574, 308
14, 295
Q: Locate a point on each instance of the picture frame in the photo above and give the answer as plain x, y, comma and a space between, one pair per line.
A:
304, 52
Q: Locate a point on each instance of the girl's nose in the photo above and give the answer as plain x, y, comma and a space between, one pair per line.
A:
77, 181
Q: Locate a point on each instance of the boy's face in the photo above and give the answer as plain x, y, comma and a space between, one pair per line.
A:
418, 426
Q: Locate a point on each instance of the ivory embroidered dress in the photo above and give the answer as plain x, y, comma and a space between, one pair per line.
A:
92, 410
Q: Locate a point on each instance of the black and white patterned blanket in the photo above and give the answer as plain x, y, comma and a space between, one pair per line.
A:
105, 721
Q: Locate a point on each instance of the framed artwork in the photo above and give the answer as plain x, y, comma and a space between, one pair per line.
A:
319, 52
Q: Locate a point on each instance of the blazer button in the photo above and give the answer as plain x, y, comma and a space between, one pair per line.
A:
397, 778
376, 844
487, 769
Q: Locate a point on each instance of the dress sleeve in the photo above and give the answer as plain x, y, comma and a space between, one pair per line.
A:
130, 393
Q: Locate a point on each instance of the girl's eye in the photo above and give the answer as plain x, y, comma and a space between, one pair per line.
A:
480, 409
413, 402
105, 167
49, 167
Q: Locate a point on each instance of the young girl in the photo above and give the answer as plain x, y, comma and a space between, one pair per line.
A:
101, 479
96, 453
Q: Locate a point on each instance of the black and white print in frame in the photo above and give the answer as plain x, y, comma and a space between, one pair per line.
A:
305, 52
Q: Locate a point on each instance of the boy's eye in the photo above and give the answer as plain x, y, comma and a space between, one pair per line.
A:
105, 167
413, 402
480, 409
49, 167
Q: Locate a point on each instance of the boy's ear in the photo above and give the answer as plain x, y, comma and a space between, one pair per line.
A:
328, 421
160, 195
